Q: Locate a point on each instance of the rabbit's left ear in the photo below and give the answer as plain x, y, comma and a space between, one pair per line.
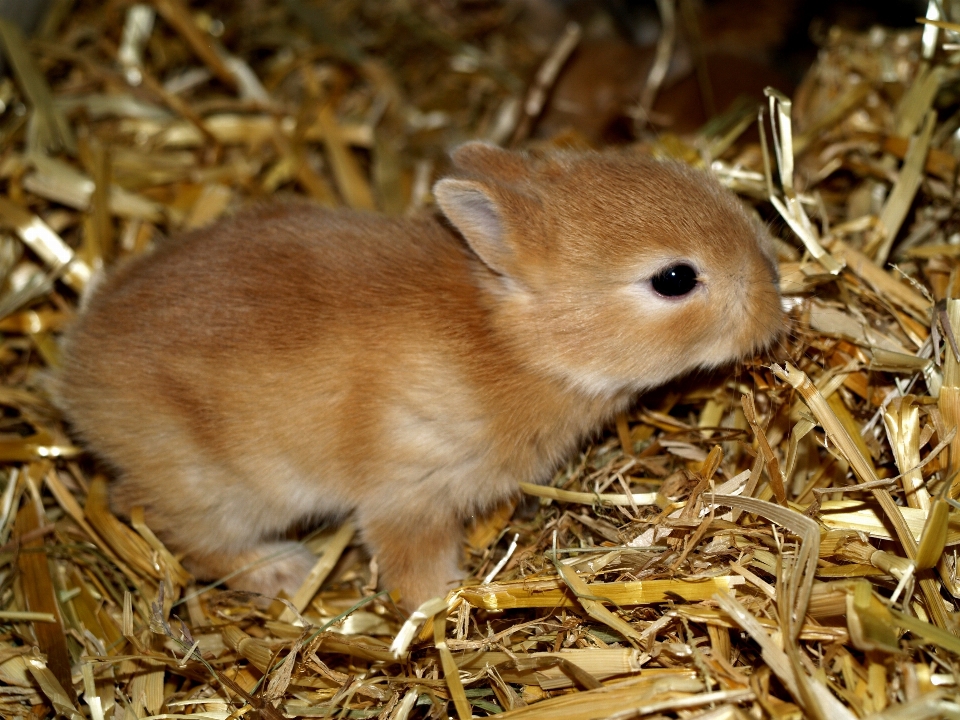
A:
490, 218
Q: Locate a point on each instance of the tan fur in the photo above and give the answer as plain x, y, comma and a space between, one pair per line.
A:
293, 363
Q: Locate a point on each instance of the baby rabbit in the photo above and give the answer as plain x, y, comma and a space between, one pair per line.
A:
294, 362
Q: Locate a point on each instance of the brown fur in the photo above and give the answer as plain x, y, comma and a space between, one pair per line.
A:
295, 362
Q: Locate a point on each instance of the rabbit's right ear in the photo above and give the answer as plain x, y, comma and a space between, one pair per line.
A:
490, 161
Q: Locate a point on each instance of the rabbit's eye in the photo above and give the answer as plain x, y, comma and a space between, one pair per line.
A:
675, 281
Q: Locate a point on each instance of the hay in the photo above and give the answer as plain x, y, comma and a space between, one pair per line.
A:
777, 542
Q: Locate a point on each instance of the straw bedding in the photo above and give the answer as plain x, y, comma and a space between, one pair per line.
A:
777, 541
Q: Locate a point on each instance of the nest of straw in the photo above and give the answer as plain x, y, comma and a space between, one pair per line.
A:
780, 542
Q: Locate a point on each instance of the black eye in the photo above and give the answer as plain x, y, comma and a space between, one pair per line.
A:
675, 281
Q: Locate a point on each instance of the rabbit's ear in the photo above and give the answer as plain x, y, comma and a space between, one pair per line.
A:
490, 161
472, 210
490, 217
